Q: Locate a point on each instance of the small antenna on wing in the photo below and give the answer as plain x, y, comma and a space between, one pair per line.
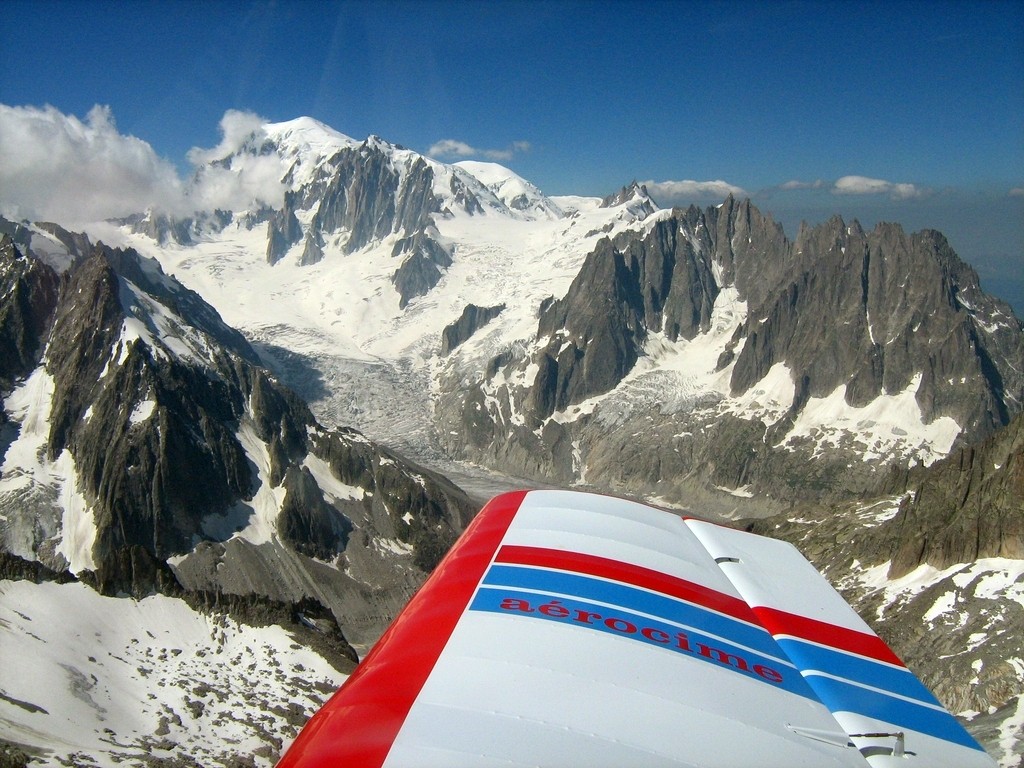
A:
898, 750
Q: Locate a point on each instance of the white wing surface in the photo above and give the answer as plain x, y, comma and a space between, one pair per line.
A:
574, 629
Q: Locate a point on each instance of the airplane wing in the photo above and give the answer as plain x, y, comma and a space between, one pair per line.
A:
566, 628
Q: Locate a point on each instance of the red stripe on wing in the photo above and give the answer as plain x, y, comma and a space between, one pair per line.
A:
359, 724
803, 628
627, 573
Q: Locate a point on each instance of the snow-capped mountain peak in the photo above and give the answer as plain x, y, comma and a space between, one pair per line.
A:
307, 132
512, 189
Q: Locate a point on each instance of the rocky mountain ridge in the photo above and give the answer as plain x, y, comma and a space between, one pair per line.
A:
840, 320
159, 436
145, 452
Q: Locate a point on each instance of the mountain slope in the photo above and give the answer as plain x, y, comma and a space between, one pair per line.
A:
855, 349
147, 427
965, 507
94, 680
935, 565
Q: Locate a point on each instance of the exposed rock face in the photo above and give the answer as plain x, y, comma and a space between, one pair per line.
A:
14, 568
839, 315
967, 506
472, 319
29, 288
162, 228
872, 311
19, 233
312, 250
633, 192
463, 197
151, 437
76, 243
747, 245
364, 194
283, 229
369, 199
674, 279
307, 521
595, 334
421, 268
179, 440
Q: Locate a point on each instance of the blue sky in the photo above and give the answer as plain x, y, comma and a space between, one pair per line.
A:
917, 107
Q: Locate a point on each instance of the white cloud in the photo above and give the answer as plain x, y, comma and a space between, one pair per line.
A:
672, 192
795, 184
253, 179
57, 167
1017, 192
454, 148
861, 185
236, 128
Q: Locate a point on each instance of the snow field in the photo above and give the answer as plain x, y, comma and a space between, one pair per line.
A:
116, 677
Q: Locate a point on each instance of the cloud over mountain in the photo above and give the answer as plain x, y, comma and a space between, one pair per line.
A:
256, 179
57, 167
673, 192
455, 148
235, 127
797, 184
861, 185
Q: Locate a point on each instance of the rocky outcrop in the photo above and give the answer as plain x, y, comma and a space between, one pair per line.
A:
594, 334
14, 568
423, 259
967, 506
675, 278
627, 288
20, 235
29, 288
152, 436
364, 194
306, 620
76, 243
283, 229
160, 227
368, 198
148, 277
472, 319
748, 247
635, 194
312, 250
307, 522
878, 313
463, 197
